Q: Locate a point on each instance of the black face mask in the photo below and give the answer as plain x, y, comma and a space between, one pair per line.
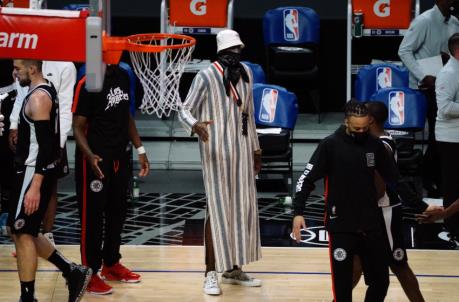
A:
359, 137
229, 58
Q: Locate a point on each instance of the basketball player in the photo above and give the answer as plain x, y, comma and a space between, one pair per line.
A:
103, 126
231, 157
348, 160
36, 157
63, 77
391, 206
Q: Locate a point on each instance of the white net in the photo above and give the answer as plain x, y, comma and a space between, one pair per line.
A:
160, 69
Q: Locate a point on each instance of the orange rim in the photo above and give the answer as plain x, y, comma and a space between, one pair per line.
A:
135, 42
114, 46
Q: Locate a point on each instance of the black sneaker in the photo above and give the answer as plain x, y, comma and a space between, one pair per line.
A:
77, 281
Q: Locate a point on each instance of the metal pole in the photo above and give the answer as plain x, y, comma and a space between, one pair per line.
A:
93, 7
230, 14
349, 51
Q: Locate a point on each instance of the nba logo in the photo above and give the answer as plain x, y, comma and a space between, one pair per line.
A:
396, 108
383, 78
268, 105
291, 27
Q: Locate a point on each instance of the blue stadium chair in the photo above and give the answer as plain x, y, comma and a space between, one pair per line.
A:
79, 6
132, 79
275, 107
374, 77
291, 37
407, 115
257, 71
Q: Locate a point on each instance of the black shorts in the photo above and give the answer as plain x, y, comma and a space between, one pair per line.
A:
18, 221
62, 168
393, 225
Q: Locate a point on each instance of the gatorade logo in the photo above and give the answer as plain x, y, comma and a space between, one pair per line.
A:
381, 8
18, 40
198, 7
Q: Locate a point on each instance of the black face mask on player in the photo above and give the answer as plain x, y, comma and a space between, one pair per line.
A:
232, 69
359, 137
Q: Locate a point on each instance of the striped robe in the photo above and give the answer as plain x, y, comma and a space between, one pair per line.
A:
228, 165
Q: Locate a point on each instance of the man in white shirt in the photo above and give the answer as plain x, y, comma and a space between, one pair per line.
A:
428, 37
63, 77
447, 130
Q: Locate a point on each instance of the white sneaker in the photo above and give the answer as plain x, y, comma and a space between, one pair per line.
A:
238, 277
211, 286
50, 238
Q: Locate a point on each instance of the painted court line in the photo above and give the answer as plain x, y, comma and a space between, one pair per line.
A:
250, 272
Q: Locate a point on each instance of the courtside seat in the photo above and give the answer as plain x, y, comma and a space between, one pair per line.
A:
257, 71
276, 111
291, 37
407, 115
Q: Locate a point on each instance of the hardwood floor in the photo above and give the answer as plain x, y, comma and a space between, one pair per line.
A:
175, 273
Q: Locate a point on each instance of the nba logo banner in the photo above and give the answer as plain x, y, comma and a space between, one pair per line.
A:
268, 105
383, 78
291, 26
396, 108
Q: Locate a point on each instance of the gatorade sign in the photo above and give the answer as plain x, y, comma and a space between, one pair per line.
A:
198, 13
385, 14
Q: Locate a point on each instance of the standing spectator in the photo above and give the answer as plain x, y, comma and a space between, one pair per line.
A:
219, 109
447, 130
103, 126
63, 77
37, 153
7, 98
428, 37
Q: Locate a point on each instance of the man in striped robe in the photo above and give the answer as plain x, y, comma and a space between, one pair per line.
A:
219, 109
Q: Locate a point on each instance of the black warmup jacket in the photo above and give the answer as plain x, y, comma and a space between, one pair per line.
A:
349, 171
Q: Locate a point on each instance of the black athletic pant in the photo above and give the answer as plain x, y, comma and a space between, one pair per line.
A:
102, 206
431, 168
450, 176
372, 249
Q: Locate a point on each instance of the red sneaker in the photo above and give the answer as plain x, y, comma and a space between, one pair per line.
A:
119, 272
98, 286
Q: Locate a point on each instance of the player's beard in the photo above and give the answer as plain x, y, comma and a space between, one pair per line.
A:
24, 83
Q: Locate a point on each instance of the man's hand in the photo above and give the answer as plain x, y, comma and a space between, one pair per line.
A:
298, 224
144, 165
31, 200
428, 82
94, 162
431, 214
200, 128
13, 139
257, 163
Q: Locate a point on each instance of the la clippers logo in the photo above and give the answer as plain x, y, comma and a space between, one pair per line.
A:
383, 78
291, 26
198, 7
268, 105
381, 8
115, 96
396, 108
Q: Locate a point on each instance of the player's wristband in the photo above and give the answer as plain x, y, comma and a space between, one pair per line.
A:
141, 150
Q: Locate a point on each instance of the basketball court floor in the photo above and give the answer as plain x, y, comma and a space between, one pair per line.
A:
163, 236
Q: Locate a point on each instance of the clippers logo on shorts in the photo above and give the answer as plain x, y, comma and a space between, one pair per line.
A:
396, 108
115, 96
399, 254
383, 78
96, 186
19, 224
268, 105
370, 159
291, 26
339, 254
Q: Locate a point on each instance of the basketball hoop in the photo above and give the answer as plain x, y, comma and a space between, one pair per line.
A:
159, 61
